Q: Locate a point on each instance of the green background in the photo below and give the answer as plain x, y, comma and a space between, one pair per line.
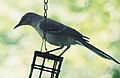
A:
97, 19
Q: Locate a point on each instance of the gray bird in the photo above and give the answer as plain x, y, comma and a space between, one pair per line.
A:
59, 34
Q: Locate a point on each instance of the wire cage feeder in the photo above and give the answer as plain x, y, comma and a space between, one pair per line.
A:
54, 70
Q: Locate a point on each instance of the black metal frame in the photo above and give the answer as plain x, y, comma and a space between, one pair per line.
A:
55, 70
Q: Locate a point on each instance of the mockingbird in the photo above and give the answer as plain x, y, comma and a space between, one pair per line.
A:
59, 34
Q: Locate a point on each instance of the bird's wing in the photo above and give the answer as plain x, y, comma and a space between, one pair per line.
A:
74, 34
52, 26
55, 27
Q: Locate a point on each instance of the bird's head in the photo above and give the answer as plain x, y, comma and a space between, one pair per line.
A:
27, 19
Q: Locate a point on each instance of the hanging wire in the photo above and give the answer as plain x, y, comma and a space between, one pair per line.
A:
44, 39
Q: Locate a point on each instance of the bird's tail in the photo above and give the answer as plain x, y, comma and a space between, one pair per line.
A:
98, 51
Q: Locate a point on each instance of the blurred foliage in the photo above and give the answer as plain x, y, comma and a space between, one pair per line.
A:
116, 73
97, 19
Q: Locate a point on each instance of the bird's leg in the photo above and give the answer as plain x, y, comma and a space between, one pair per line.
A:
64, 50
55, 49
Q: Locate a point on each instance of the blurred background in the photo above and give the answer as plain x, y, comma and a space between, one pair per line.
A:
97, 19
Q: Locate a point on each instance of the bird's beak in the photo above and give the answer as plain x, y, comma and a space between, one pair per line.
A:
16, 26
